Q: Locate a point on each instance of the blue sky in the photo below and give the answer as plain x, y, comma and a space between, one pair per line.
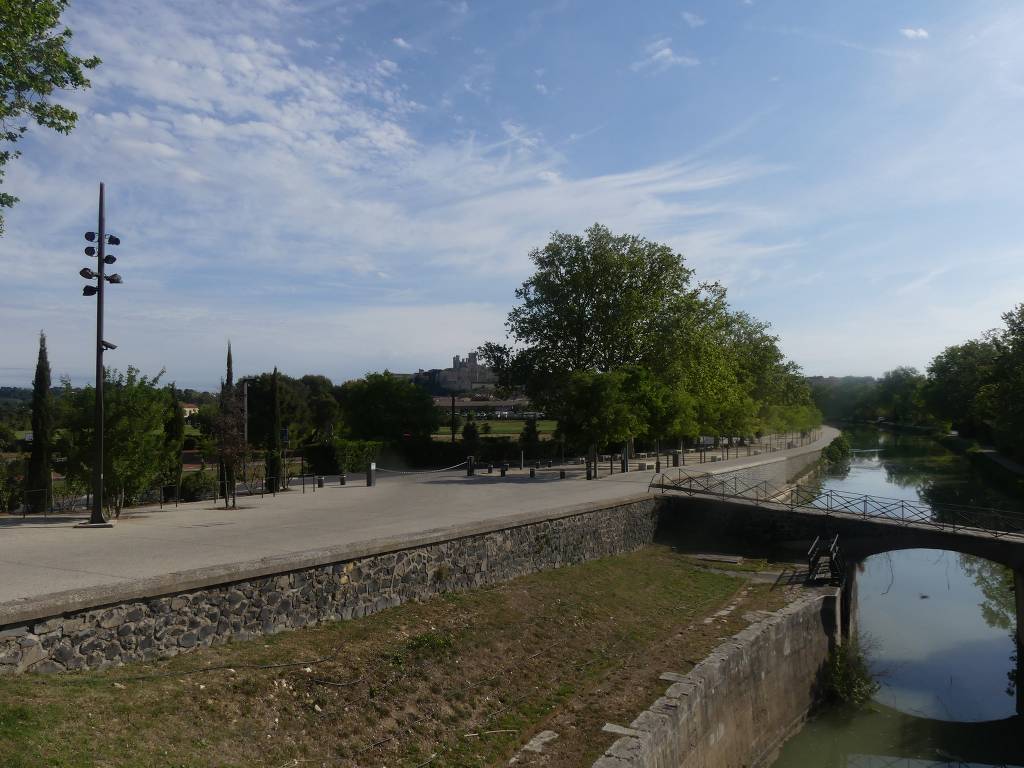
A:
340, 187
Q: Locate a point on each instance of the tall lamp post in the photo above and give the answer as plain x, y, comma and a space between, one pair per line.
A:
102, 240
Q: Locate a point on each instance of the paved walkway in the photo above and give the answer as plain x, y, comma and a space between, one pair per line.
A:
153, 551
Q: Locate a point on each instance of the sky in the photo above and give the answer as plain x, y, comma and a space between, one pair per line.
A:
341, 187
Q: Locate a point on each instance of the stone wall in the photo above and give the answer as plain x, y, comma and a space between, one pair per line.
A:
738, 705
165, 625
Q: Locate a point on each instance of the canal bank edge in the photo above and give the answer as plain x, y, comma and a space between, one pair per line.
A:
739, 705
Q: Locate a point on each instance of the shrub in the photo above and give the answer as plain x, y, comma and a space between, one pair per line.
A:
196, 486
848, 679
837, 451
355, 455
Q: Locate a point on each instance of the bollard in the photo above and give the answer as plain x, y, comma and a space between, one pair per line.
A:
533, 471
371, 474
320, 481
504, 469
341, 479
589, 475
675, 458
550, 463
490, 469
469, 466
561, 474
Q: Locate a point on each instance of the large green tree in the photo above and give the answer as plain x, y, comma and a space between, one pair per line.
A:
37, 479
34, 63
382, 406
292, 404
597, 409
956, 377
603, 303
1000, 399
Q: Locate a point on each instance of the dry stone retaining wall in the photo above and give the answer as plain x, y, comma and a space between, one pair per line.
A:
166, 625
738, 705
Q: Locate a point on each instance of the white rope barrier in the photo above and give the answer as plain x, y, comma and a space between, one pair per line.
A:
421, 471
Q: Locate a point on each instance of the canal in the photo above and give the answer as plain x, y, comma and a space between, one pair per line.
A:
938, 628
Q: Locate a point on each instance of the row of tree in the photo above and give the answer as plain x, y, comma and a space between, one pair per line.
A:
615, 338
612, 336
973, 387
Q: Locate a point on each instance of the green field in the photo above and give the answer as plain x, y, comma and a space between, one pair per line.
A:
502, 428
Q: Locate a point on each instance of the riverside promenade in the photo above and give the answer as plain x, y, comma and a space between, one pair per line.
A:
49, 567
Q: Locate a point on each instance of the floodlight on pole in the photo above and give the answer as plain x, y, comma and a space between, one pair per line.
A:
102, 239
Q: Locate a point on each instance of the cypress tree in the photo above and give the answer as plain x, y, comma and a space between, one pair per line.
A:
230, 378
174, 440
37, 479
274, 443
228, 429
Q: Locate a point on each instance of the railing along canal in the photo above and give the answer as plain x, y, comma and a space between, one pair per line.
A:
947, 517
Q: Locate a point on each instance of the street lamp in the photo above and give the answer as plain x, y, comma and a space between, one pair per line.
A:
102, 239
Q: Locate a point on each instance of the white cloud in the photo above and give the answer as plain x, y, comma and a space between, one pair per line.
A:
912, 33
387, 67
541, 89
402, 43
693, 20
247, 185
307, 43
659, 56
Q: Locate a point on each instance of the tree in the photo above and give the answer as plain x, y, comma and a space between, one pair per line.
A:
322, 407
38, 479
471, 436
135, 448
174, 439
34, 62
663, 410
601, 302
230, 433
1000, 400
274, 465
596, 410
899, 395
292, 402
956, 376
382, 406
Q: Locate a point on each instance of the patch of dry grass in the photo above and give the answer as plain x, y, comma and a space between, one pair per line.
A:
462, 680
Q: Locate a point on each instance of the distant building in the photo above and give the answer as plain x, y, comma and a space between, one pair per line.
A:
464, 376
189, 409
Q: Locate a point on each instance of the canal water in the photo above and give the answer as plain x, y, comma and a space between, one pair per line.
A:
938, 628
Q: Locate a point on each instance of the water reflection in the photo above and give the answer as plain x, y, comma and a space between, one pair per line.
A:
880, 736
940, 625
934, 653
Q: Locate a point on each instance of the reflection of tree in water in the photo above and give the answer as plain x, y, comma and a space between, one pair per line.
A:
998, 608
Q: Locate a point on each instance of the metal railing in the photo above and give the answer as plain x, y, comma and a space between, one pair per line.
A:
947, 517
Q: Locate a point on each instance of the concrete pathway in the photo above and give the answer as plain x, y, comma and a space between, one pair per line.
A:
153, 551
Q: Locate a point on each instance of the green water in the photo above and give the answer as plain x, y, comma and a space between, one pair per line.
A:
938, 626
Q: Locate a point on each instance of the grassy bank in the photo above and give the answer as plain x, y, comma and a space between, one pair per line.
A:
463, 680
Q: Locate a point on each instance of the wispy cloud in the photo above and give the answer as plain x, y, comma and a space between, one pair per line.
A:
914, 33
659, 56
693, 20
402, 43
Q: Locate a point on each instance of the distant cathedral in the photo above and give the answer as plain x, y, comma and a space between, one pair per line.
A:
464, 376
